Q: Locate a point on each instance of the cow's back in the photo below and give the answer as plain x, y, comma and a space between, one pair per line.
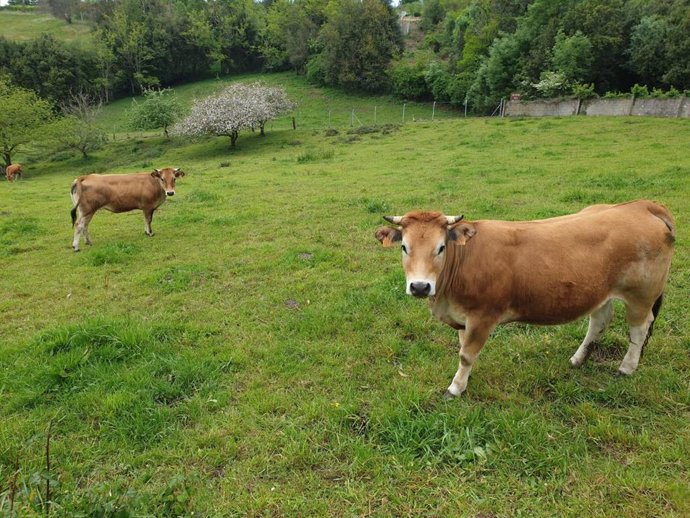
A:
119, 192
554, 270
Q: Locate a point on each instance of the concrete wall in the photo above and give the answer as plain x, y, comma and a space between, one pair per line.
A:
677, 107
541, 108
607, 106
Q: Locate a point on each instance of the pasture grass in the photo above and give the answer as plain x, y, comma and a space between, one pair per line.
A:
23, 26
318, 108
258, 356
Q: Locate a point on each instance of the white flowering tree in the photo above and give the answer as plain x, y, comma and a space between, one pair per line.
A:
237, 107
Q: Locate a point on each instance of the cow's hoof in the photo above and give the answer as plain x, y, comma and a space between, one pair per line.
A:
77, 250
149, 234
622, 373
575, 364
448, 395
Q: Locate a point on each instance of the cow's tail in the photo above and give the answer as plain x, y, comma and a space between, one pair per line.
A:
75, 192
664, 215
655, 312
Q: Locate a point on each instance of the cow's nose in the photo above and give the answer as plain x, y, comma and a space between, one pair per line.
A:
170, 193
420, 289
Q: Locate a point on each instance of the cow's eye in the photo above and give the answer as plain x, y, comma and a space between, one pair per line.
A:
441, 249
404, 248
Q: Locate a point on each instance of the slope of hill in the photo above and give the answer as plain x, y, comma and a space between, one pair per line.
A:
22, 26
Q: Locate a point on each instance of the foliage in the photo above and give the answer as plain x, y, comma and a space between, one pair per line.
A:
356, 45
409, 82
22, 116
291, 30
552, 84
584, 91
51, 68
79, 129
572, 56
159, 109
239, 106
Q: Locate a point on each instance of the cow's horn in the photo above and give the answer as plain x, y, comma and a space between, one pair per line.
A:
454, 219
157, 170
177, 169
393, 219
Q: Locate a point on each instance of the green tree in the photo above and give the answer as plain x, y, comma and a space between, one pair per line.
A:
22, 115
79, 129
648, 53
159, 109
356, 45
572, 56
289, 36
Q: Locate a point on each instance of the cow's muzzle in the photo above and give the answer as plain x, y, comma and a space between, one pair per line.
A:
170, 193
420, 289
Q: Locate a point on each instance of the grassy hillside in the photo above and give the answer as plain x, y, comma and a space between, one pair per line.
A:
318, 108
22, 26
258, 355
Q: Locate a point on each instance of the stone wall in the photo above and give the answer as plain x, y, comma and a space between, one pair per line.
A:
641, 106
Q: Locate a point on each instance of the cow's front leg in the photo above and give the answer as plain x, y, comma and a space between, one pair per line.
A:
148, 218
472, 339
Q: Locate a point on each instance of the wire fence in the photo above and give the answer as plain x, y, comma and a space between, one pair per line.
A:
373, 115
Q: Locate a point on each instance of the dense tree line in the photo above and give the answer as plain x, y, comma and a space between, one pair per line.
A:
474, 50
482, 50
140, 44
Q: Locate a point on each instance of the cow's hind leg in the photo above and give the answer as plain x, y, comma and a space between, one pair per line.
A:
471, 342
599, 320
148, 218
640, 319
81, 229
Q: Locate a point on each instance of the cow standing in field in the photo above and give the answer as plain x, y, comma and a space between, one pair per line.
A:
13, 171
119, 193
478, 274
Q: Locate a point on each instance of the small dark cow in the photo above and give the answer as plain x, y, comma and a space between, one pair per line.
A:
119, 193
478, 274
13, 172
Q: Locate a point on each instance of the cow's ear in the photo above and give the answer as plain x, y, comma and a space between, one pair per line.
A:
156, 173
179, 172
460, 233
388, 235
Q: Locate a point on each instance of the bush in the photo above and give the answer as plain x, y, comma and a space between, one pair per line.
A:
585, 91
639, 90
409, 82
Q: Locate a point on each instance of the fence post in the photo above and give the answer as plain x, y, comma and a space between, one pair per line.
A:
374, 115
465, 103
404, 104
433, 110
329, 119
352, 118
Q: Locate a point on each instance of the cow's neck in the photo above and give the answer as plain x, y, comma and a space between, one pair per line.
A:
448, 305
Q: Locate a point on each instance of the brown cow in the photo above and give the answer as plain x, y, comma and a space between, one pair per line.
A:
119, 193
478, 274
13, 171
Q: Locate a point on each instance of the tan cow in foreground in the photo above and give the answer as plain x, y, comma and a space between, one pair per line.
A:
13, 171
119, 193
478, 274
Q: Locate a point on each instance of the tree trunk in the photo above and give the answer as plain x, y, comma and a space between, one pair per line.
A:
7, 157
261, 127
233, 138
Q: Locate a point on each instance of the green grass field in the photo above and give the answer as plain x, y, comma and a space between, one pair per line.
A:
258, 355
21, 26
